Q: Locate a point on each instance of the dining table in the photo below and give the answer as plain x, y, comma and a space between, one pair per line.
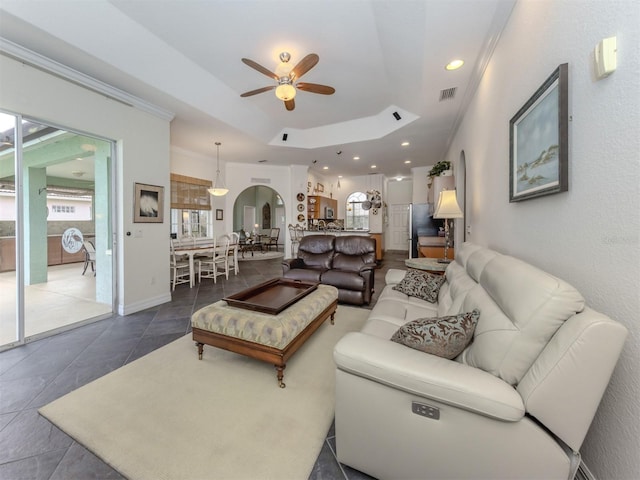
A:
192, 250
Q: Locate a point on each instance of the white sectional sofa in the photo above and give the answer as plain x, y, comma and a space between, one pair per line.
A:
516, 403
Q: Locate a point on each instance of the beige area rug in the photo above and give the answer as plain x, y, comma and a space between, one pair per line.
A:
259, 256
170, 416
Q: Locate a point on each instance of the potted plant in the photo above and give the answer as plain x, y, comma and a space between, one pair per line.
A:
439, 168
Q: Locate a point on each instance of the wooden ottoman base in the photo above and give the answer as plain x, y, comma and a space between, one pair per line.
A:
278, 357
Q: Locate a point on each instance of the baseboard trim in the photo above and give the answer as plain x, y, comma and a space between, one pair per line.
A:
143, 305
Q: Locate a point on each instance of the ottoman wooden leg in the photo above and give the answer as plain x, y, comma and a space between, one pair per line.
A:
200, 349
280, 371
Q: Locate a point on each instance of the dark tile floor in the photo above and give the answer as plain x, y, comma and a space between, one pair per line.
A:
35, 374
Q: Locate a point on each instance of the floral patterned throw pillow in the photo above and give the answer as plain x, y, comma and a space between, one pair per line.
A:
442, 336
421, 284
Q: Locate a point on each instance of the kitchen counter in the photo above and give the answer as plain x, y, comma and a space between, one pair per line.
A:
337, 232
56, 255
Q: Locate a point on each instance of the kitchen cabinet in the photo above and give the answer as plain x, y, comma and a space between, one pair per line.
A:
436, 252
317, 205
7, 254
379, 246
438, 184
56, 255
433, 247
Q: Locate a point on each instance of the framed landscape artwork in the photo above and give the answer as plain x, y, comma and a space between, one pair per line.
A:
538, 141
219, 214
148, 204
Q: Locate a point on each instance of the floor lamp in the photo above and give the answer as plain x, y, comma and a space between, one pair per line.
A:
447, 208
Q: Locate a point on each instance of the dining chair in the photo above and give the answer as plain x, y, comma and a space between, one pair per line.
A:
272, 240
219, 263
180, 272
234, 246
183, 241
89, 256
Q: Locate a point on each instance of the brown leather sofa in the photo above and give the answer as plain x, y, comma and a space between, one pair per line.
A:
346, 262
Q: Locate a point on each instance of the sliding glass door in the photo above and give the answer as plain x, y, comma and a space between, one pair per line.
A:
55, 214
9, 314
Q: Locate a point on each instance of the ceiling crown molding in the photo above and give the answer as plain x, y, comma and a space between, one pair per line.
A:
29, 57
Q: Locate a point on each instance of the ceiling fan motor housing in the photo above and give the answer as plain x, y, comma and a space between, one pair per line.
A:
286, 78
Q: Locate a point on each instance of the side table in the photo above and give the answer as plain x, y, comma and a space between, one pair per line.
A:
430, 265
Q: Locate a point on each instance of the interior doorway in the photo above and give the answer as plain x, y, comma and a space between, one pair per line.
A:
249, 218
399, 227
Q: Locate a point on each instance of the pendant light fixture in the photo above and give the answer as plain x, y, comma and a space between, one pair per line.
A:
219, 188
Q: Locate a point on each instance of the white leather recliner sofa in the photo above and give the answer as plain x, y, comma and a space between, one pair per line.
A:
516, 403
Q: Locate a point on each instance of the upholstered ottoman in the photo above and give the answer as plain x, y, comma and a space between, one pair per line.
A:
270, 338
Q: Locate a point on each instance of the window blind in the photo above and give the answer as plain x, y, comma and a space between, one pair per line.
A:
190, 193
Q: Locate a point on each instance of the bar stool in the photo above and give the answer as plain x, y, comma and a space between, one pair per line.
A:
296, 234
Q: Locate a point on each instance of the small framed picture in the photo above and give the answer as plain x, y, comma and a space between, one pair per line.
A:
219, 214
148, 206
308, 187
320, 187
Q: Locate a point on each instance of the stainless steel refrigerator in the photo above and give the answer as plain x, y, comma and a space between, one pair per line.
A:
421, 224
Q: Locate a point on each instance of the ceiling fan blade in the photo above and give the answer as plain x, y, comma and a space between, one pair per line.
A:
257, 91
316, 88
306, 64
290, 104
260, 68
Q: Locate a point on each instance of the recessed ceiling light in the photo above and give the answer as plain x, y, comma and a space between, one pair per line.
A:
339, 176
454, 64
374, 166
399, 179
405, 144
407, 161
356, 158
325, 168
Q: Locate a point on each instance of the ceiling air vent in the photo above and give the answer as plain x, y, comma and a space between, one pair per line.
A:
447, 94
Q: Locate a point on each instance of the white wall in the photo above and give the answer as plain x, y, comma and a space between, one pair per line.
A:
420, 178
589, 235
142, 156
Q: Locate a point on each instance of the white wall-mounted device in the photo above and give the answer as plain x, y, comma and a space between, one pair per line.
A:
605, 57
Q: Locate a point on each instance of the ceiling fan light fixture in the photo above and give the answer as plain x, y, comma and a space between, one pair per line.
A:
219, 189
285, 92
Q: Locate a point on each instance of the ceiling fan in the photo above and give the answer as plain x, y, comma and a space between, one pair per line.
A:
287, 79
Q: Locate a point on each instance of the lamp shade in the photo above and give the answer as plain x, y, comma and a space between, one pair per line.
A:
447, 205
285, 91
218, 192
219, 189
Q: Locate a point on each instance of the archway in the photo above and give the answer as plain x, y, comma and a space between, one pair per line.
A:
268, 208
